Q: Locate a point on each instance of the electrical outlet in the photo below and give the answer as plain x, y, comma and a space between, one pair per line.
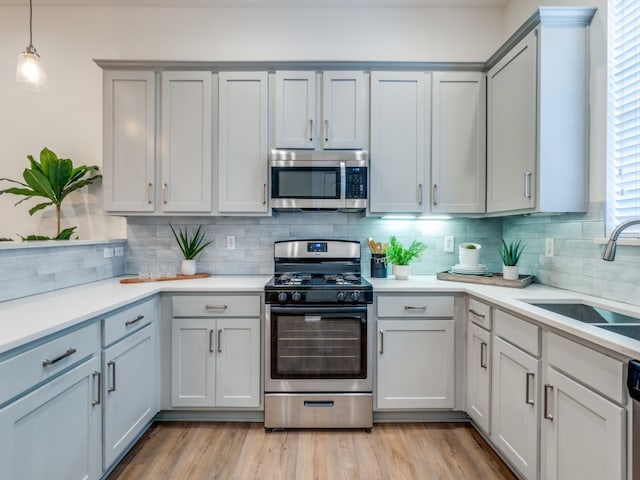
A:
231, 242
549, 247
118, 251
448, 243
108, 252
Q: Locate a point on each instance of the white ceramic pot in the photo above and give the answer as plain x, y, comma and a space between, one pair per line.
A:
401, 272
510, 272
469, 257
189, 267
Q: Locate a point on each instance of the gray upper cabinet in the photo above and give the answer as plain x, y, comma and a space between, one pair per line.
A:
186, 142
129, 141
458, 142
243, 142
309, 117
537, 116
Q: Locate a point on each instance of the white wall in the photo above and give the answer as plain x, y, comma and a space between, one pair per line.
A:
68, 118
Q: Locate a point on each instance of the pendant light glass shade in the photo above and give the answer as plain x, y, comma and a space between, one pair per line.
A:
30, 72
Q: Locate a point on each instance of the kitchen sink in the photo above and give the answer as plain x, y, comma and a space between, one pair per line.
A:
615, 322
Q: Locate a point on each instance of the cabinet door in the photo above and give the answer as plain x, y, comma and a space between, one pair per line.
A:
514, 406
54, 431
415, 364
344, 110
186, 142
129, 390
511, 124
242, 147
193, 362
238, 362
458, 143
478, 375
399, 134
129, 141
583, 434
295, 109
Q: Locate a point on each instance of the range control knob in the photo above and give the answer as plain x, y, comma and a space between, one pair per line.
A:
296, 297
282, 297
342, 296
355, 296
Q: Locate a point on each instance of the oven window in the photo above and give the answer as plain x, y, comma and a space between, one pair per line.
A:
306, 182
318, 346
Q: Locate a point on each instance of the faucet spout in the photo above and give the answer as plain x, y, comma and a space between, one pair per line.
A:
610, 250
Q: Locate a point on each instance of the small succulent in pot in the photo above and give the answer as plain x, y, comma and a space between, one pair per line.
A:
400, 256
190, 246
510, 252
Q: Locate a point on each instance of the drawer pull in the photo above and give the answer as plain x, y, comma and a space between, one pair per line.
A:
318, 403
99, 389
69, 352
112, 365
547, 388
529, 377
476, 314
135, 320
483, 354
215, 307
416, 307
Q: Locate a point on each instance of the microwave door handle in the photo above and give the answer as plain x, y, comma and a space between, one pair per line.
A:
343, 184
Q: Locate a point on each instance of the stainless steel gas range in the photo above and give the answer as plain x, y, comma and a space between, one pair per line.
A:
318, 337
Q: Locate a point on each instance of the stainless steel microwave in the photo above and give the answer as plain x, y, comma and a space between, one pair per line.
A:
312, 179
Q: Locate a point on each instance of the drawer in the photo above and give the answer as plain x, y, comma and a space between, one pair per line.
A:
519, 332
422, 306
596, 370
479, 313
216, 306
130, 319
33, 366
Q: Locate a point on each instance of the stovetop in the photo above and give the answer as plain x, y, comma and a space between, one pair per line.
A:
308, 279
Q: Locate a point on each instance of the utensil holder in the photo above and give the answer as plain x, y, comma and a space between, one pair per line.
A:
379, 265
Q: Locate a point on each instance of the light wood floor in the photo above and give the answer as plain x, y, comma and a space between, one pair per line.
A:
404, 451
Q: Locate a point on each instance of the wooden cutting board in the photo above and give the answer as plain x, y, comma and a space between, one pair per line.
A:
164, 279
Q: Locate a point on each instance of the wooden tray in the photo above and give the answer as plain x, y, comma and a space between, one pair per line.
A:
164, 279
488, 279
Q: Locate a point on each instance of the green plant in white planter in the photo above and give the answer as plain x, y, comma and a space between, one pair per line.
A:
190, 246
510, 255
401, 257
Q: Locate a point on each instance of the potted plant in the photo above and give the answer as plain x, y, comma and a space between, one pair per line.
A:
190, 246
510, 255
52, 178
400, 256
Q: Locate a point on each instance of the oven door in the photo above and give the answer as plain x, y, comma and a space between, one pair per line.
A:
307, 184
318, 349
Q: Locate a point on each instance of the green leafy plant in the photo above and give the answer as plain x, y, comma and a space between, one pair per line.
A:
399, 255
510, 252
63, 235
469, 246
190, 246
52, 178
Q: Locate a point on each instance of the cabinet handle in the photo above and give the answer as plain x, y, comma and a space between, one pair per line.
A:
70, 351
527, 184
311, 130
135, 320
264, 193
483, 355
381, 342
149, 187
435, 194
547, 389
419, 194
112, 365
211, 346
473, 312
215, 307
528, 379
415, 307
219, 340
99, 390
326, 130
165, 187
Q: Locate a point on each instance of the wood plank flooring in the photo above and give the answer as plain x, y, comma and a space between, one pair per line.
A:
244, 451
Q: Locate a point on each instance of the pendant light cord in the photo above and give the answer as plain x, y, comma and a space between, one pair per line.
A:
30, 24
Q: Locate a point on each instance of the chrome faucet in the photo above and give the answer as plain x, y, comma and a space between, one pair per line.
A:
610, 250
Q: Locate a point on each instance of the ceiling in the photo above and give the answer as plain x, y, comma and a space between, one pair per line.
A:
263, 3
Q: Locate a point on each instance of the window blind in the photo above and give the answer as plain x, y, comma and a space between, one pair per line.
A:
623, 189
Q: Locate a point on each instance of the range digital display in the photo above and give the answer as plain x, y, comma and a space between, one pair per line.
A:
315, 247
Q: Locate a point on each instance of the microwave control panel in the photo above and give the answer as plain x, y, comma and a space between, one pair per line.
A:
356, 186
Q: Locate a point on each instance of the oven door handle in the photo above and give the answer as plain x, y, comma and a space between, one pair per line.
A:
326, 312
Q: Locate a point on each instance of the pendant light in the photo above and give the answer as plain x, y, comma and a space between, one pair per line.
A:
30, 72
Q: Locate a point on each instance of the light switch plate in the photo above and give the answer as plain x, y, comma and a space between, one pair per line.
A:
448, 243
108, 252
549, 247
231, 242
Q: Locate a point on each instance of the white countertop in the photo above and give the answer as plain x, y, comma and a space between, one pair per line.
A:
31, 318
